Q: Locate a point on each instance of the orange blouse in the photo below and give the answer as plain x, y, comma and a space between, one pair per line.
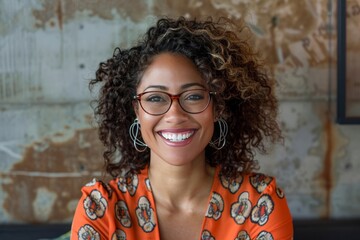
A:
249, 207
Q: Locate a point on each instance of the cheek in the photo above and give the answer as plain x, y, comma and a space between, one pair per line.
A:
144, 119
211, 114
208, 121
147, 124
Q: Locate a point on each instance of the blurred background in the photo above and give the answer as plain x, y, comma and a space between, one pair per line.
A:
49, 49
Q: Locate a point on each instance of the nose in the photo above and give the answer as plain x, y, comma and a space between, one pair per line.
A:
176, 113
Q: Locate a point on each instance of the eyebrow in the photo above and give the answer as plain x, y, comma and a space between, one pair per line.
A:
185, 86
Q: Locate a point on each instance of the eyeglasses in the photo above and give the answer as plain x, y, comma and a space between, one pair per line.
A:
158, 103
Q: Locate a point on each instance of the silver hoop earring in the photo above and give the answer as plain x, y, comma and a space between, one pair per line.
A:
139, 145
219, 143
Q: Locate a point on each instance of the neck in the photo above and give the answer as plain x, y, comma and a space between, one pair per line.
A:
179, 187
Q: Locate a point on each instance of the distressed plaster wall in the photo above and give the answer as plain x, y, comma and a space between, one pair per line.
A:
50, 49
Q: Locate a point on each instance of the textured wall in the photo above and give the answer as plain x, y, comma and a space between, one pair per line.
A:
50, 49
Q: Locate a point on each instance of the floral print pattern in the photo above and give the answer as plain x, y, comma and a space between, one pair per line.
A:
216, 206
265, 236
261, 212
122, 214
233, 185
87, 232
206, 235
240, 210
95, 205
260, 182
145, 215
128, 184
247, 207
119, 235
242, 235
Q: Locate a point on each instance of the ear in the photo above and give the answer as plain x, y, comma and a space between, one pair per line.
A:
135, 106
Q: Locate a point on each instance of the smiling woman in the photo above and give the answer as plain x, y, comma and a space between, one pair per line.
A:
181, 115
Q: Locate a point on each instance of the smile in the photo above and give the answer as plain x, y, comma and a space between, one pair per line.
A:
177, 137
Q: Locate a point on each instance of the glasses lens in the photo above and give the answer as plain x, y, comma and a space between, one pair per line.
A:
155, 102
194, 101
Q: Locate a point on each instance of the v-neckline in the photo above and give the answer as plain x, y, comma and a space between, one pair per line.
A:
153, 204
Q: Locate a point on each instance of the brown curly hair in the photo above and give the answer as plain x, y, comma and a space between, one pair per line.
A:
228, 63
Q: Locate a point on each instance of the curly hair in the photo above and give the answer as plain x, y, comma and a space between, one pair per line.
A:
222, 53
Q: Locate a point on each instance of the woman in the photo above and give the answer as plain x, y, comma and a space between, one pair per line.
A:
181, 115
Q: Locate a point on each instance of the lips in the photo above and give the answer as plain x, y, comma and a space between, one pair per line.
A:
177, 137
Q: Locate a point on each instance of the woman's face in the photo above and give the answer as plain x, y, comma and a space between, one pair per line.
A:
175, 137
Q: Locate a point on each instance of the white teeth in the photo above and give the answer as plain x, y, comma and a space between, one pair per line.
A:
176, 137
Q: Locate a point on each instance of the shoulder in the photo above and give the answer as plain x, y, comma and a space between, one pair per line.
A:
104, 206
128, 185
262, 183
253, 189
95, 210
255, 200
94, 205
101, 203
98, 188
96, 198
256, 183
253, 203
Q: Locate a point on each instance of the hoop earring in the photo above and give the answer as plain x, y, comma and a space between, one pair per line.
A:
134, 132
219, 143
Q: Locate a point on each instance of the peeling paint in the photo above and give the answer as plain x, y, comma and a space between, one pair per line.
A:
66, 10
43, 203
60, 169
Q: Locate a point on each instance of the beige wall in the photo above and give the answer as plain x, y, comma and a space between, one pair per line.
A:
49, 50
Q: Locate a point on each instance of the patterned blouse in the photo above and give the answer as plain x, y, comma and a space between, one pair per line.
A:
249, 207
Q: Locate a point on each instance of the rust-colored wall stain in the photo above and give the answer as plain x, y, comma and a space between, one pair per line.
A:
327, 173
65, 10
69, 166
59, 14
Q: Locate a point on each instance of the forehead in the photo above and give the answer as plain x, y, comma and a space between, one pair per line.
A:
170, 71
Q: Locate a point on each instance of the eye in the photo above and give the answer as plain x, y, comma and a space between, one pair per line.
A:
155, 97
194, 95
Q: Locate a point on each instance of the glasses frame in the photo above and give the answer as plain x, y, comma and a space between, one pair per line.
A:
172, 97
